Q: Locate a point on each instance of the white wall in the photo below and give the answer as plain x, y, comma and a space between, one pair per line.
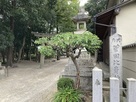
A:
126, 26
126, 23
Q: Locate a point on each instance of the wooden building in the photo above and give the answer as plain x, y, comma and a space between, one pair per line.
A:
120, 18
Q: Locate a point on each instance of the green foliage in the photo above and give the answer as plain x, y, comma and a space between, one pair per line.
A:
94, 7
6, 38
91, 42
69, 41
65, 10
68, 95
6, 35
44, 47
64, 83
46, 50
43, 40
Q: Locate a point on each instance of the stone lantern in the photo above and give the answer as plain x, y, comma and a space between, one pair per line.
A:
80, 19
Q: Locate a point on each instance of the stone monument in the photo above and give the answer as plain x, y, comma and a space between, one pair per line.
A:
116, 57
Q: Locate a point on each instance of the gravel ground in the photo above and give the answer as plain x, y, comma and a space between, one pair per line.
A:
29, 83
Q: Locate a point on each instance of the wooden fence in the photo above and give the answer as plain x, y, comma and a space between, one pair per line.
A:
114, 88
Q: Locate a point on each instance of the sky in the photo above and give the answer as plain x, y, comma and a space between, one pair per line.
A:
82, 2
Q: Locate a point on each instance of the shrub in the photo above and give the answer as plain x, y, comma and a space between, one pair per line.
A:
65, 83
67, 95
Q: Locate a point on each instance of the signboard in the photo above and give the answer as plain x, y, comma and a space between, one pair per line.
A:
116, 56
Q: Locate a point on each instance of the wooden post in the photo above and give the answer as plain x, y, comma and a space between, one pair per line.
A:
114, 90
97, 85
116, 57
131, 93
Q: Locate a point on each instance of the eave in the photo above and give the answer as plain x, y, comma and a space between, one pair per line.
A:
106, 18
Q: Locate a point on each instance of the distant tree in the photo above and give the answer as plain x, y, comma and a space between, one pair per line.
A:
6, 30
93, 7
65, 10
6, 40
68, 42
21, 17
29, 17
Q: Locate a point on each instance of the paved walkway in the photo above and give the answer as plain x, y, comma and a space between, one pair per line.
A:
28, 83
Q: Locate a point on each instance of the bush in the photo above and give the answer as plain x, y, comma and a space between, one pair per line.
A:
65, 83
67, 95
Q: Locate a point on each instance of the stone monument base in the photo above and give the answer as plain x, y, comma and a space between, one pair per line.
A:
85, 72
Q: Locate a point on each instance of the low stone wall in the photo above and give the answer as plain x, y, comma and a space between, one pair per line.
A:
85, 82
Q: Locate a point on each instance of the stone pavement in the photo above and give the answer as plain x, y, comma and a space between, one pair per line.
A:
29, 83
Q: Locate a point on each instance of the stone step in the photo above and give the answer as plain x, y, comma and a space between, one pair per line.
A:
106, 98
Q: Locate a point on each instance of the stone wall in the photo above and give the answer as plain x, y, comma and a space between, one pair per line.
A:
85, 67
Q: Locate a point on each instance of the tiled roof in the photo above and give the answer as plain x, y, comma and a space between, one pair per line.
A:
81, 17
129, 46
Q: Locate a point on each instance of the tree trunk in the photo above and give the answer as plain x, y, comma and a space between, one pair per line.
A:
23, 55
57, 26
73, 57
20, 51
10, 48
78, 73
27, 54
58, 55
9, 56
67, 53
30, 58
3, 56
